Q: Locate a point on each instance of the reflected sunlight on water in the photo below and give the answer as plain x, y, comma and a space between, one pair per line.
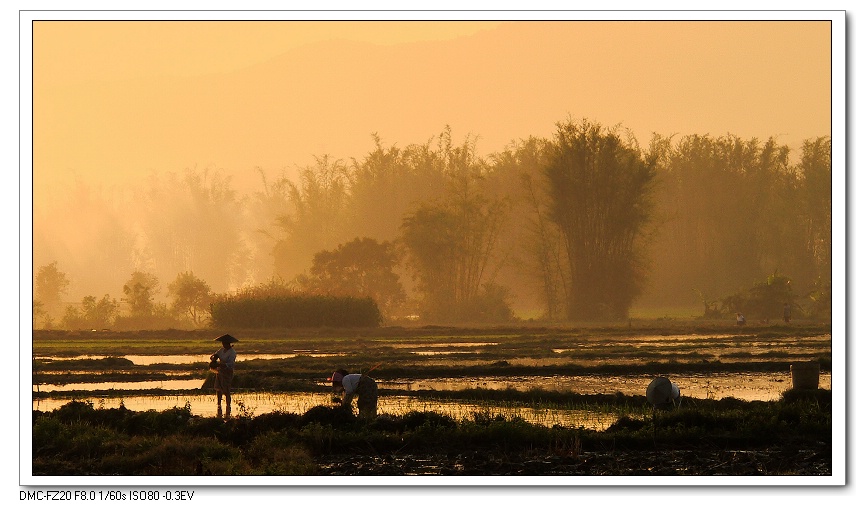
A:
441, 345
253, 404
185, 384
747, 386
191, 359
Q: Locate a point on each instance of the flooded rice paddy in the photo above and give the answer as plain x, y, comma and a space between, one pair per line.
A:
187, 359
254, 404
746, 386
181, 374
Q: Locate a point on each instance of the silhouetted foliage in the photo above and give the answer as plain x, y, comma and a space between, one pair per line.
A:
819, 303
191, 297
601, 201
533, 247
360, 268
315, 219
139, 292
388, 182
93, 314
292, 311
143, 312
49, 287
450, 247
734, 210
813, 203
550, 227
39, 313
193, 222
274, 287
763, 300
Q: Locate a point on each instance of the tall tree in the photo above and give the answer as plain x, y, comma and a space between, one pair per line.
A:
50, 286
193, 222
816, 205
382, 186
190, 297
450, 247
316, 217
545, 246
601, 200
360, 268
265, 231
94, 313
390, 181
532, 244
734, 211
39, 314
139, 293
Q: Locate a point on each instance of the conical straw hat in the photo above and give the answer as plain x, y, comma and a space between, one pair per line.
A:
660, 391
226, 338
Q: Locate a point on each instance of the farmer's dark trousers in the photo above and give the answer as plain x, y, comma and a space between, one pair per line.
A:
367, 397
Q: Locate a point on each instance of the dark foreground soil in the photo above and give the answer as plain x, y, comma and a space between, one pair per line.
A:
814, 461
727, 437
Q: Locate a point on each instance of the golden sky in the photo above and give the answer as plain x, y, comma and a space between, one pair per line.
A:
114, 99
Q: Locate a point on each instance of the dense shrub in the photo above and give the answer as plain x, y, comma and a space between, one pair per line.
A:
293, 311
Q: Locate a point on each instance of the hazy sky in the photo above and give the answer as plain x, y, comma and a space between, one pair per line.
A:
120, 98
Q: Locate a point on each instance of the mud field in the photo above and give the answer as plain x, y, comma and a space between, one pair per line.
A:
772, 461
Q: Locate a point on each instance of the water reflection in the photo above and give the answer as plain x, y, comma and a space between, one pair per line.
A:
253, 404
719, 345
747, 386
185, 384
442, 345
193, 359
431, 353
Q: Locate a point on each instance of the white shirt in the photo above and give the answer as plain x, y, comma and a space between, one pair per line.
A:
227, 357
350, 383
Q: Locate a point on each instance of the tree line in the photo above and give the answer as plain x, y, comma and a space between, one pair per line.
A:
578, 227
188, 307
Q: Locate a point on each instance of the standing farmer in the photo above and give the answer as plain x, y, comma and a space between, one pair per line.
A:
356, 384
222, 363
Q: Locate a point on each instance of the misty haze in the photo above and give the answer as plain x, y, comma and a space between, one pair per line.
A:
423, 227
662, 217
559, 248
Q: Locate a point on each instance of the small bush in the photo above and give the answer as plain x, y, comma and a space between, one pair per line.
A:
327, 415
275, 453
627, 424
821, 397
415, 419
176, 455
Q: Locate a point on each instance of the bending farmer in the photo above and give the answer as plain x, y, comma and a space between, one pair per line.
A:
222, 363
356, 384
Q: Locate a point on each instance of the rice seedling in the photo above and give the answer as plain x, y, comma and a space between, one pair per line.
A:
80, 438
493, 390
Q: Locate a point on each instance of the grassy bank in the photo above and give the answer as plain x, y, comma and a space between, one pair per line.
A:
78, 439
